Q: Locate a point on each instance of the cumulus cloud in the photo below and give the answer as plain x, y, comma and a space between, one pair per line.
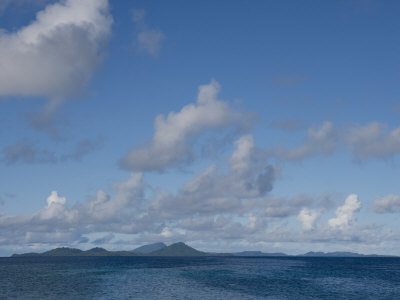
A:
58, 222
212, 192
345, 213
174, 134
55, 206
54, 198
104, 208
387, 204
46, 225
307, 218
148, 40
56, 55
251, 175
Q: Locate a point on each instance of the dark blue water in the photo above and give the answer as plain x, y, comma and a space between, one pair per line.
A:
199, 278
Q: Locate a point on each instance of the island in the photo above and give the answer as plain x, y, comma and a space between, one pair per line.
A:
179, 249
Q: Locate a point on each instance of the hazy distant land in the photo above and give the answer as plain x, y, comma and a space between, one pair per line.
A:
179, 249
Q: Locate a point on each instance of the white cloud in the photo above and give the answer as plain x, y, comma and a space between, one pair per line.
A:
103, 208
250, 175
213, 192
174, 134
56, 55
54, 198
99, 214
241, 157
55, 208
148, 40
387, 204
307, 218
345, 213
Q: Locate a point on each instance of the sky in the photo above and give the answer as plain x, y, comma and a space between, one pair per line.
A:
228, 125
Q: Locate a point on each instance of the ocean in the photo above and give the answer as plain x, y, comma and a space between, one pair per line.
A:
199, 278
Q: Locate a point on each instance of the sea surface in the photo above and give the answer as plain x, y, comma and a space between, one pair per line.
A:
199, 278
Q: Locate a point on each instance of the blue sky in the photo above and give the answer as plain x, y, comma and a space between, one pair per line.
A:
270, 125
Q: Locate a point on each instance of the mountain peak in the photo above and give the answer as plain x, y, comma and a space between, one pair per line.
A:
62, 251
178, 249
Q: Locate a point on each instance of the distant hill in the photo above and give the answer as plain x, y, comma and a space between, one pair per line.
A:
64, 251
146, 249
96, 250
333, 254
258, 253
178, 249
342, 254
26, 254
103, 252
